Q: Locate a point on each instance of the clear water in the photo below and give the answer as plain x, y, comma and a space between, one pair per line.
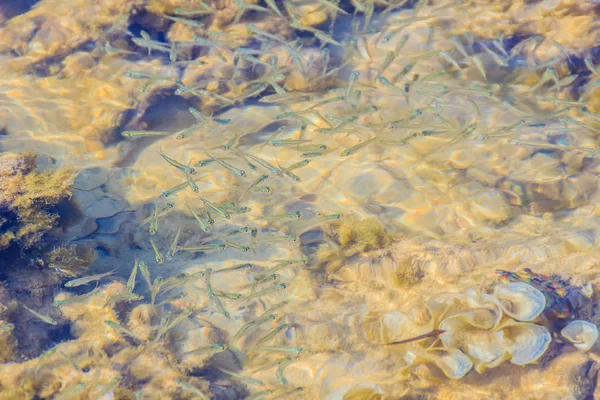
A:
447, 206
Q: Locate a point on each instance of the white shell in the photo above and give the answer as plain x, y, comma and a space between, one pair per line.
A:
454, 363
520, 342
582, 334
343, 392
487, 349
520, 301
529, 342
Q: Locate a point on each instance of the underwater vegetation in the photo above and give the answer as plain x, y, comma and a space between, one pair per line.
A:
27, 197
32, 262
306, 199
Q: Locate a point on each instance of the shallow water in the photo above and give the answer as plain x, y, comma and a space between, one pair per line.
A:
448, 220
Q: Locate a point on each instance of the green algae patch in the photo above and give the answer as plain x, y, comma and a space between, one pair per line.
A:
69, 260
349, 237
28, 198
365, 235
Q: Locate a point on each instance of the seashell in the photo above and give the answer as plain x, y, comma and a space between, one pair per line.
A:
391, 327
529, 342
485, 310
445, 305
480, 310
454, 363
361, 391
520, 300
520, 342
486, 348
582, 334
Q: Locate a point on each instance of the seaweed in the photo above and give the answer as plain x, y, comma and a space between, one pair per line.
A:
29, 199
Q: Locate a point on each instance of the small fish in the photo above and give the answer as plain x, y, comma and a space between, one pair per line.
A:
498, 44
145, 273
231, 269
254, 91
169, 324
181, 11
44, 318
289, 215
215, 96
326, 57
448, 58
351, 81
232, 232
271, 334
479, 66
133, 275
215, 299
515, 109
131, 134
282, 365
333, 6
209, 218
272, 289
433, 334
587, 112
191, 183
568, 120
459, 46
203, 226
183, 168
288, 142
154, 221
237, 246
249, 327
277, 239
76, 299
232, 296
204, 248
191, 389
535, 39
110, 386
217, 209
236, 171
351, 150
173, 190
216, 348
71, 392
277, 349
590, 65
185, 21
263, 163
122, 329
320, 219
254, 184
150, 44
125, 296
87, 279
467, 131
173, 248
499, 60
158, 256
155, 289
340, 126
246, 379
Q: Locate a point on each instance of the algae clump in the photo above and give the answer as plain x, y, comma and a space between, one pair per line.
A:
27, 199
351, 236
